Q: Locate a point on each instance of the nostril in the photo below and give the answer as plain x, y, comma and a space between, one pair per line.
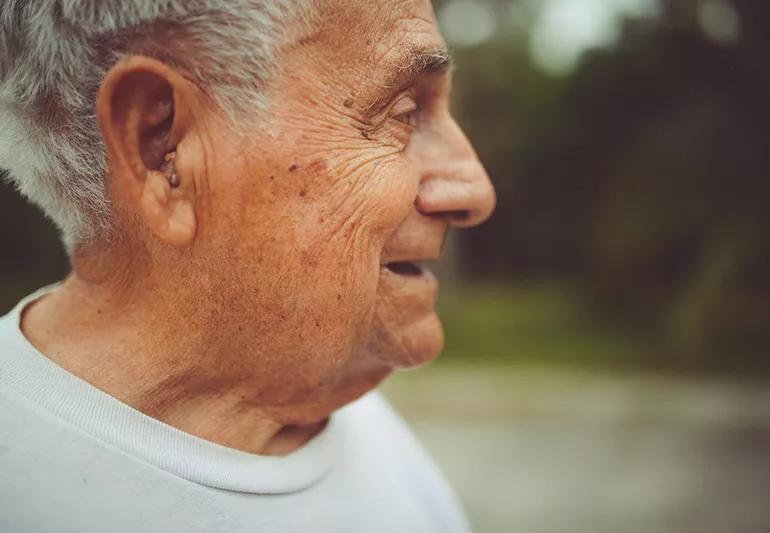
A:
458, 216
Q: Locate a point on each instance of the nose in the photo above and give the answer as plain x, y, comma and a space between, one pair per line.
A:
454, 184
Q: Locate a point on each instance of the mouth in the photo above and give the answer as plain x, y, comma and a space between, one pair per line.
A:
407, 268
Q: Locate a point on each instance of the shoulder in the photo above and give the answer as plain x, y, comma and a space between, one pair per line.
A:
373, 424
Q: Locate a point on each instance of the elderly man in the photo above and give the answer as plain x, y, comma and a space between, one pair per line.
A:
247, 190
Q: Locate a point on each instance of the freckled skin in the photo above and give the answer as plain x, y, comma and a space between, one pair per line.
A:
280, 310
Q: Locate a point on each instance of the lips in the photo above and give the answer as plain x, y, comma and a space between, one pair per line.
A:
407, 255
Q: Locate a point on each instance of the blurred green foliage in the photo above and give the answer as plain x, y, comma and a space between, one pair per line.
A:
642, 177
534, 323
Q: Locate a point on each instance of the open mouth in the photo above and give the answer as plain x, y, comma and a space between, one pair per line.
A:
406, 268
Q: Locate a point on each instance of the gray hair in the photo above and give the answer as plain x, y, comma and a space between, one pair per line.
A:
55, 53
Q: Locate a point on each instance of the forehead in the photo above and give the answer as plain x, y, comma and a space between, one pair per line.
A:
369, 22
364, 38
380, 23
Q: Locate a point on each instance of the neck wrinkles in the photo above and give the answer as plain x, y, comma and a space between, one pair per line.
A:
135, 346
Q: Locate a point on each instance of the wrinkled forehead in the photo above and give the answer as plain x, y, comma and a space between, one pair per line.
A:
368, 39
374, 25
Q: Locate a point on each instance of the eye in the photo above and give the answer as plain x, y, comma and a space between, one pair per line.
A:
405, 111
409, 118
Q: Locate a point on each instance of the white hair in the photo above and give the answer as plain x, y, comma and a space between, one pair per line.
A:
55, 53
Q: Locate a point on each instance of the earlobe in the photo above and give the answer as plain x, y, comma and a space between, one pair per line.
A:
168, 215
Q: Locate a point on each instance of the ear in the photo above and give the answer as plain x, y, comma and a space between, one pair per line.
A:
143, 109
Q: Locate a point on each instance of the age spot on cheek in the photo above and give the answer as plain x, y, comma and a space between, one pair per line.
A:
310, 174
309, 260
316, 167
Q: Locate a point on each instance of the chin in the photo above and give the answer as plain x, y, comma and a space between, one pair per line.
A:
416, 344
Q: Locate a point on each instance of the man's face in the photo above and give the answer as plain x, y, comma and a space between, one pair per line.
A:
319, 223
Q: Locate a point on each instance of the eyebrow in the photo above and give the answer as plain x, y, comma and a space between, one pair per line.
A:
413, 63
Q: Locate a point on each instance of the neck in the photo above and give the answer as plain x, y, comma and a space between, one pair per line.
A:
134, 345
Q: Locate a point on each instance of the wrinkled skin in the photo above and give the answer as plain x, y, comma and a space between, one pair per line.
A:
278, 306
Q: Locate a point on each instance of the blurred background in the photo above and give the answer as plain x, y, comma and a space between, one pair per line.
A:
608, 330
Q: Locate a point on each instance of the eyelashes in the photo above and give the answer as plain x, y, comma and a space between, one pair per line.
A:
404, 110
397, 120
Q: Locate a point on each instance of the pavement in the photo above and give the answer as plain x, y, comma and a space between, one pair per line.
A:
544, 450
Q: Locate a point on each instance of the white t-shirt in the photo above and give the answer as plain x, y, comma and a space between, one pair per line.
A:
75, 459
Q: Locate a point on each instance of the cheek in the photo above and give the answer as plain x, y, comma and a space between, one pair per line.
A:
309, 310
341, 236
303, 246
367, 201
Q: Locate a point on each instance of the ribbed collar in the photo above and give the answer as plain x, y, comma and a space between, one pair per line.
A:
30, 373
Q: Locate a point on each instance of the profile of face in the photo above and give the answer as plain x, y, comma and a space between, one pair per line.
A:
300, 242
